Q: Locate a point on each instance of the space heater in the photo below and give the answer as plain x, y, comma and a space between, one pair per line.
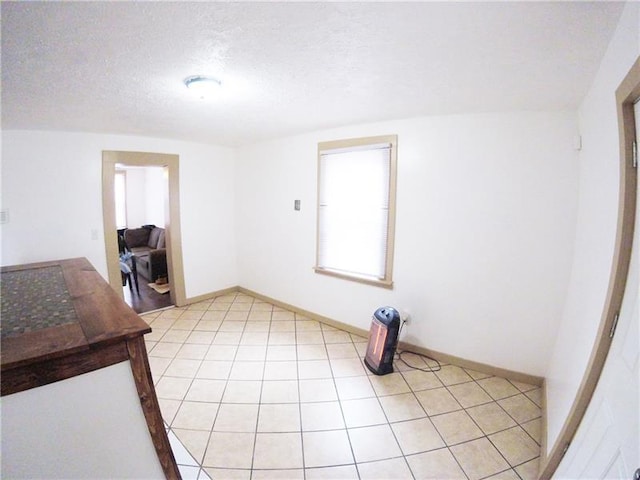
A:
383, 339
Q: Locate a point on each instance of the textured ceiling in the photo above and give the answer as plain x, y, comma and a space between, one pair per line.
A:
286, 68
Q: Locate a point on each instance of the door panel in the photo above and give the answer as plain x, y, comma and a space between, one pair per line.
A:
607, 443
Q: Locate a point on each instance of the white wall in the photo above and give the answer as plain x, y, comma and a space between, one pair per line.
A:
155, 192
596, 227
90, 426
52, 188
486, 212
136, 197
146, 187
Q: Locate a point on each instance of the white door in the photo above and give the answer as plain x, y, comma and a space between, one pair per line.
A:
607, 442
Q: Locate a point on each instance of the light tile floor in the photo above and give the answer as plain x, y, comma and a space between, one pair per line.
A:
257, 392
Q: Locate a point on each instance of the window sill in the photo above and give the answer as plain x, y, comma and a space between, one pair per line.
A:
367, 281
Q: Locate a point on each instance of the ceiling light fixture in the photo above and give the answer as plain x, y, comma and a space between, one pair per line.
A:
202, 85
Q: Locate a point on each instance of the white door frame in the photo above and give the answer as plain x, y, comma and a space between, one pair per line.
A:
626, 95
172, 216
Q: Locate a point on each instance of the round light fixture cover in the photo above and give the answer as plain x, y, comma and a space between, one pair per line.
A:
202, 85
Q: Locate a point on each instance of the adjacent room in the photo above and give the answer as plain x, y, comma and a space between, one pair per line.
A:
260, 191
140, 195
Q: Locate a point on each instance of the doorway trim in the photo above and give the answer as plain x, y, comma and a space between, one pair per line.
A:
172, 216
626, 95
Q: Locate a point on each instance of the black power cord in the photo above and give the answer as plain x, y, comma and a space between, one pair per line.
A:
399, 354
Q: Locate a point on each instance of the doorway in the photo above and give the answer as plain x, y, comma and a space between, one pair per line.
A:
141, 194
605, 447
169, 164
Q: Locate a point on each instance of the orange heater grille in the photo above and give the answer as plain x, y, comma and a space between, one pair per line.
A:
383, 337
377, 337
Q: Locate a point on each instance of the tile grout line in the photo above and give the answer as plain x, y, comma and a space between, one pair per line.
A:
334, 382
169, 425
255, 437
447, 445
474, 380
497, 402
304, 462
344, 419
463, 408
404, 456
206, 449
476, 424
429, 418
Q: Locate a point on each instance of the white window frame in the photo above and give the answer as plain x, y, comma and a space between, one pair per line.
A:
345, 146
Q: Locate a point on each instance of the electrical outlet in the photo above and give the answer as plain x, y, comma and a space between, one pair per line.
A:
405, 315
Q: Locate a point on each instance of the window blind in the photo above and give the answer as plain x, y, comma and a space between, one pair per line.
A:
353, 210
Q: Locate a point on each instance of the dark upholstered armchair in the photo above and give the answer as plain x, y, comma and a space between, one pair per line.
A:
148, 245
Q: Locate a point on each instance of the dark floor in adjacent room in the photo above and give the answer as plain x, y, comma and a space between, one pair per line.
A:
147, 300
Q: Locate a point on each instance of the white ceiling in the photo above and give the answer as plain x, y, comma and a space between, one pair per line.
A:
286, 68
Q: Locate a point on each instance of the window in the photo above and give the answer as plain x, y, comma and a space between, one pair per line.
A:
121, 199
356, 209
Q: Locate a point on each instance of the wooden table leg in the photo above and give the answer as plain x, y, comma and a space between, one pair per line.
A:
147, 393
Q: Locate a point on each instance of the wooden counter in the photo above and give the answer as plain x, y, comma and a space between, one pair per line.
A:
61, 319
